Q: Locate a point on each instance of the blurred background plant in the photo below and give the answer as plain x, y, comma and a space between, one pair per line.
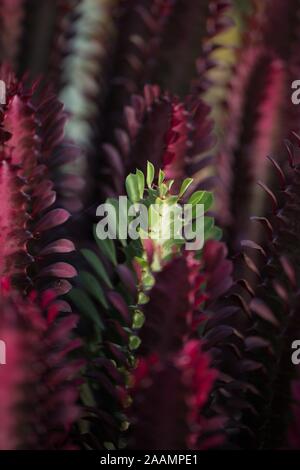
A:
171, 349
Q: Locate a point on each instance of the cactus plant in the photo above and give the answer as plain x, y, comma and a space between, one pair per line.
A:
149, 341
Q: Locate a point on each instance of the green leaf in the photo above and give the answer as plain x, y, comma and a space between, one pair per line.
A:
161, 177
97, 265
150, 174
141, 183
133, 249
171, 200
141, 261
215, 233
138, 319
209, 227
134, 343
202, 197
143, 298
173, 243
208, 223
154, 219
163, 190
185, 185
170, 184
92, 286
132, 187
83, 302
196, 197
107, 247
148, 280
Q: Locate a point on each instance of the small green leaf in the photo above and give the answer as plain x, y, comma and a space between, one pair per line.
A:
143, 298
208, 201
107, 247
161, 177
171, 245
150, 174
202, 197
134, 343
214, 234
141, 183
109, 446
132, 188
163, 190
97, 265
92, 286
138, 319
208, 223
196, 197
141, 261
154, 218
185, 185
148, 280
133, 249
83, 302
170, 184
172, 200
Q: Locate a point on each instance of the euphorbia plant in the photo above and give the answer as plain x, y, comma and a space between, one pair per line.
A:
183, 348
171, 219
39, 383
131, 316
31, 162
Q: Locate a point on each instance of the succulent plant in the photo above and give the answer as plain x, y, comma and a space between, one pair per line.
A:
31, 137
149, 341
177, 387
39, 391
260, 116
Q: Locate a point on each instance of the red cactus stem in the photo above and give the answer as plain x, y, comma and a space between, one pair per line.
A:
174, 136
171, 313
168, 398
38, 405
28, 194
